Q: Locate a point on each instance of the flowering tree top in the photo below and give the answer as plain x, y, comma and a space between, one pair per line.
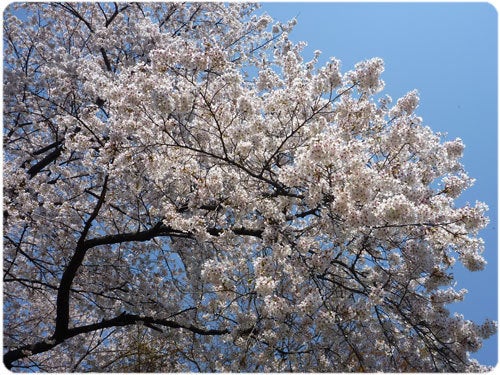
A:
184, 192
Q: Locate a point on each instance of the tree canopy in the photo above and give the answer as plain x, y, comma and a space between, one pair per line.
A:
185, 191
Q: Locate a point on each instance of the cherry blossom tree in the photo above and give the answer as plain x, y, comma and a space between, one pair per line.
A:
184, 191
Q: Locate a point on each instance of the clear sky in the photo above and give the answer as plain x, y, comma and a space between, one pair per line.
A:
448, 52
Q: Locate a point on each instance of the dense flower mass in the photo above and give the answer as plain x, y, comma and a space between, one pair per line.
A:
184, 192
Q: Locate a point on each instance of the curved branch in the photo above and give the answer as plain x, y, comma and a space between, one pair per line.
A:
35, 169
159, 230
122, 320
24, 351
70, 9
62, 312
105, 57
239, 231
126, 319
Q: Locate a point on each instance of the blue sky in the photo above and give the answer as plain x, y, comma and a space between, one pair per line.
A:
448, 52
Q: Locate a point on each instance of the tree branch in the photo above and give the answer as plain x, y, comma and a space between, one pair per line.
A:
106, 59
122, 320
62, 309
241, 231
34, 170
158, 230
126, 319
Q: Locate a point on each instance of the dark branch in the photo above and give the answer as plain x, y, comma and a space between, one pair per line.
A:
47, 148
159, 230
70, 9
162, 230
120, 321
62, 317
27, 350
238, 231
129, 319
34, 170
106, 60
